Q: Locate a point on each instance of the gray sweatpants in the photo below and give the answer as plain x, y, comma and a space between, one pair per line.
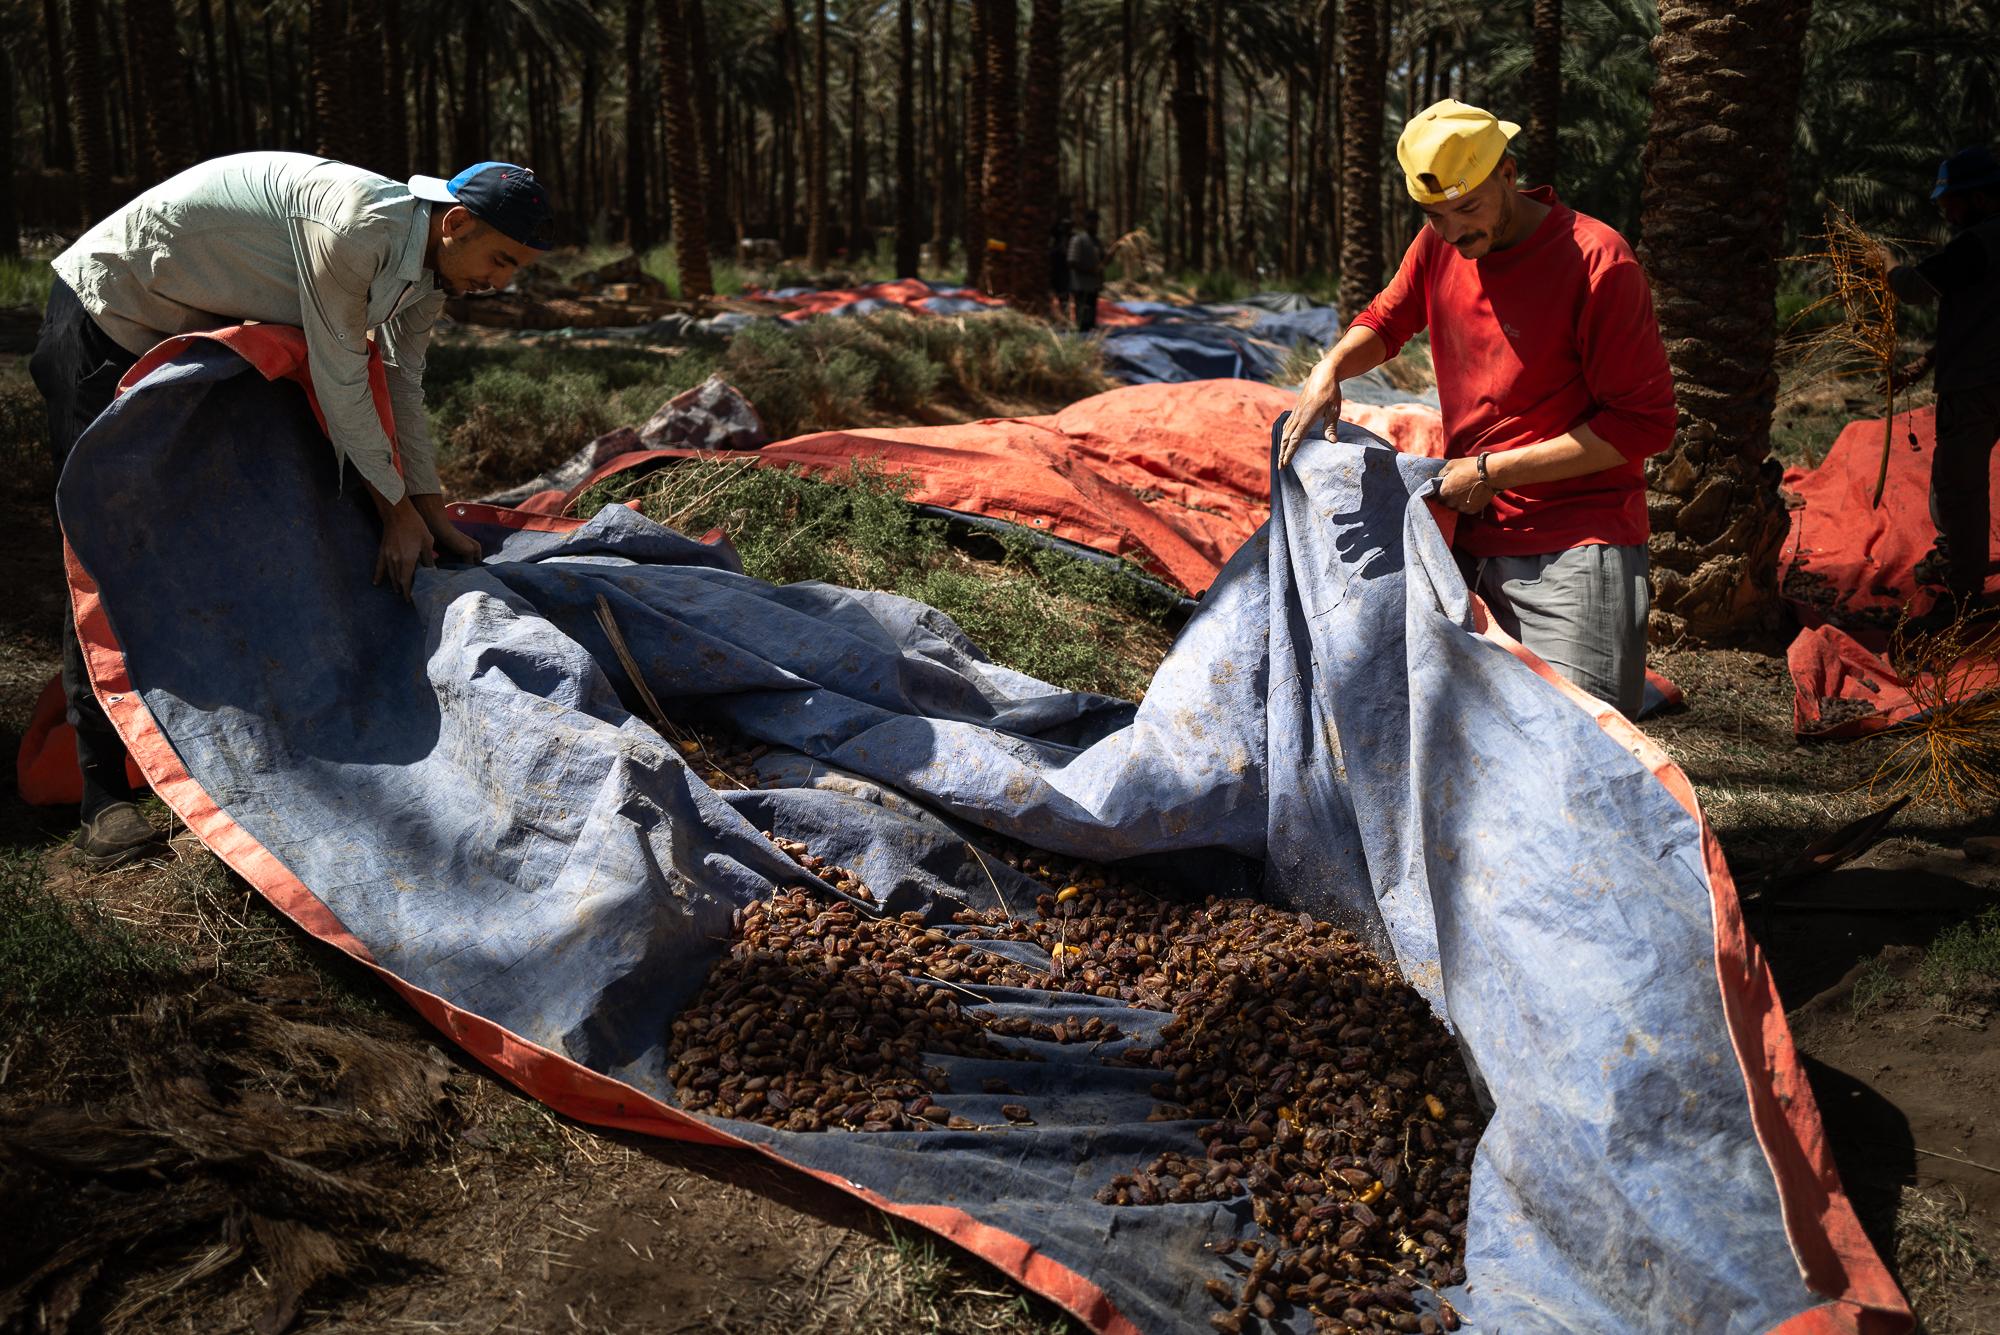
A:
1582, 611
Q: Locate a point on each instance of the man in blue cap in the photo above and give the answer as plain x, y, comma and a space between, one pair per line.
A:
1964, 280
281, 238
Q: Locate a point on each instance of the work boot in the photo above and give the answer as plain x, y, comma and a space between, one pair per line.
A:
114, 836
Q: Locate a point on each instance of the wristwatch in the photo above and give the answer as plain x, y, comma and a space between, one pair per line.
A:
1483, 480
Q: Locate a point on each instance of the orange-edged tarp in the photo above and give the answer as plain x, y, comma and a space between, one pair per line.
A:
1461, 694
1170, 476
45, 765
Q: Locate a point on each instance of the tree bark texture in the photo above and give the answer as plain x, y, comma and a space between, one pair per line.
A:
819, 208
639, 231
1001, 189
683, 151
62, 142
87, 96
906, 139
1041, 150
1190, 110
1544, 156
974, 212
1360, 156
164, 119
1724, 105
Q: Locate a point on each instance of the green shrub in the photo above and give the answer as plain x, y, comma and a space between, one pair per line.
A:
503, 413
1964, 958
61, 958
1075, 623
25, 282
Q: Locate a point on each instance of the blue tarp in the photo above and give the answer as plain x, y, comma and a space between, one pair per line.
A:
462, 783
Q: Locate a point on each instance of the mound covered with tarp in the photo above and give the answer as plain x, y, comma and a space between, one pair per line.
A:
459, 792
1170, 476
1851, 568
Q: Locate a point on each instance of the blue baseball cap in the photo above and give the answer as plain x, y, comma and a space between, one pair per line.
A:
1967, 169
502, 195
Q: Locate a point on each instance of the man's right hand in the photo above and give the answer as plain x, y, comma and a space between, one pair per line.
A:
406, 544
1319, 404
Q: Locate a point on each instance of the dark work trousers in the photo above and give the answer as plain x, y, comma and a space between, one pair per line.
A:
1968, 427
1084, 307
77, 367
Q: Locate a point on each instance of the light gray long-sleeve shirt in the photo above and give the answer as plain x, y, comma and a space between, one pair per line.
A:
283, 238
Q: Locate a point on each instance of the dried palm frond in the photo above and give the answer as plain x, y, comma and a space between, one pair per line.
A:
1855, 267
1950, 752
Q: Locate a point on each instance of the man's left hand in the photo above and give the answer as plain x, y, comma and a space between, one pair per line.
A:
1461, 488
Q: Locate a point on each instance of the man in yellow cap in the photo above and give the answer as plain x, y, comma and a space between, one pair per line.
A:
1554, 387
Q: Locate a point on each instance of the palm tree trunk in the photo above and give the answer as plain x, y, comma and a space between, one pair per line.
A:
1190, 141
395, 145
10, 220
795, 138
974, 206
861, 246
1215, 243
1128, 87
1724, 105
683, 151
62, 140
819, 208
242, 127
366, 109
165, 121
1545, 93
639, 232
1360, 157
215, 133
714, 168
327, 36
1001, 191
906, 140
1041, 151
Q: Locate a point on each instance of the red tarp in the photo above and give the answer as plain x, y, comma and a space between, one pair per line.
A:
1176, 477
912, 294
1849, 563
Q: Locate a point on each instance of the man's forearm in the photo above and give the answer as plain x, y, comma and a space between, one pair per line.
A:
431, 506
1576, 454
1359, 351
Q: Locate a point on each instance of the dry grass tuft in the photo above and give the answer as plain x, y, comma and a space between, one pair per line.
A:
1949, 753
1856, 271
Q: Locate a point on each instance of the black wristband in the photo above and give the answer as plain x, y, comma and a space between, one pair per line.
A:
1483, 481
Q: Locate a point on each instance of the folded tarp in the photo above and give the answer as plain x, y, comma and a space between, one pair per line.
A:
1843, 688
1175, 351
1170, 475
456, 793
1850, 572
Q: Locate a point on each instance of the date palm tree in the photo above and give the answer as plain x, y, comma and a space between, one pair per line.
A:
1713, 226
683, 151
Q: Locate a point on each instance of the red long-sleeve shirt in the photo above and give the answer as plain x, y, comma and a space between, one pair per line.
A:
1555, 332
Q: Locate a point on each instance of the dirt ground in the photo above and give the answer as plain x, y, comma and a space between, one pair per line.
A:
502, 1217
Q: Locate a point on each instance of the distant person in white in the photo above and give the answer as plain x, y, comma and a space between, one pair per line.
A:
281, 238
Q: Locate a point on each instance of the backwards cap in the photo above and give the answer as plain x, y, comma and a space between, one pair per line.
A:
1450, 148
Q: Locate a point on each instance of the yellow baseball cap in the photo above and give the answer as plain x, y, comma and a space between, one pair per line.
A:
1455, 146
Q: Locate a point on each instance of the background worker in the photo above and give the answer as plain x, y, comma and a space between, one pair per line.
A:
1086, 272
281, 238
1554, 387
1964, 280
